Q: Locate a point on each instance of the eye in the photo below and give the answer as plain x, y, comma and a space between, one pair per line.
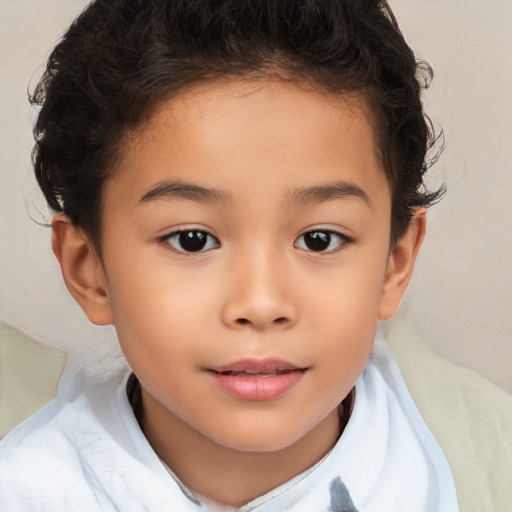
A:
191, 240
321, 241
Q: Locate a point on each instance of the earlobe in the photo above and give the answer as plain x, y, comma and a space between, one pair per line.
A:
82, 270
401, 264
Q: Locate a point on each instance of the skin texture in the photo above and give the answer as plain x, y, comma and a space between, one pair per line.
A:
257, 291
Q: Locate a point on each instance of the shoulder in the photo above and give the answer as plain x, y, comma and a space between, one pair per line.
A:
39, 461
57, 455
42, 432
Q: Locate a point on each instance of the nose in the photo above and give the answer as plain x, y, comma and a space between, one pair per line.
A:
258, 296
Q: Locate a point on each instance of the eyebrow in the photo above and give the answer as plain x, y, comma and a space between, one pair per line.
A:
323, 193
180, 190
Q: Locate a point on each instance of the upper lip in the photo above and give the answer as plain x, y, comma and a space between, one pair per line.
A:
256, 366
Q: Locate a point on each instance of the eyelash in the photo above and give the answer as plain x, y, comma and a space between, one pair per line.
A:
204, 241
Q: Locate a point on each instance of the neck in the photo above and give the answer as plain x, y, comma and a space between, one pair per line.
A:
228, 476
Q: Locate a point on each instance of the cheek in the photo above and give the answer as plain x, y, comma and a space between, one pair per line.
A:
348, 297
154, 306
344, 313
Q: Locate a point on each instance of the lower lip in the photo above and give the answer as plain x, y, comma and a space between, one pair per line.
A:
258, 387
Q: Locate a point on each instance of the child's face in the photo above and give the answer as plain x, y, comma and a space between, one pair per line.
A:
251, 326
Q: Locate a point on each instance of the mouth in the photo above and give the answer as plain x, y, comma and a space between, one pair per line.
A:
253, 373
257, 366
257, 379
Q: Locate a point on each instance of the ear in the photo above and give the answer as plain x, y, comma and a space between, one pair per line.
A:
400, 265
82, 270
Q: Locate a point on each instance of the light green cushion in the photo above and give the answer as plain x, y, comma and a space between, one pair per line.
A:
29, 372
470, 417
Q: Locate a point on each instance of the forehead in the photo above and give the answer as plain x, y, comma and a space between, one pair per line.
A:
231, 102
231, 130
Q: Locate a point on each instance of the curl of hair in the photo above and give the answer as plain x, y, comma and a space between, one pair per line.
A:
120, 58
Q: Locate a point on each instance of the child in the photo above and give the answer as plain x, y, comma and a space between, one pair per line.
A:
238, 188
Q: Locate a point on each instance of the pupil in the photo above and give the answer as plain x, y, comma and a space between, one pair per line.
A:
317, 240
192, 240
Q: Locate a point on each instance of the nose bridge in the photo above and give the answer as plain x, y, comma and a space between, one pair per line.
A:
259, 295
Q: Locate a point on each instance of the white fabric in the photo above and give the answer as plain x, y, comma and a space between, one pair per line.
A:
85, 452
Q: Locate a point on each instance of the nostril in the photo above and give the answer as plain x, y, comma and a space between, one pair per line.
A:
258, 323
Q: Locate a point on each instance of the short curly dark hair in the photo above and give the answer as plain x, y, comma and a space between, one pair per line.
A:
119, 58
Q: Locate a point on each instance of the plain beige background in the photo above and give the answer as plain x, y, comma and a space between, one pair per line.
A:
460, 299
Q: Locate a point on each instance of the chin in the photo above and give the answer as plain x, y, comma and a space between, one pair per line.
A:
257, 441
